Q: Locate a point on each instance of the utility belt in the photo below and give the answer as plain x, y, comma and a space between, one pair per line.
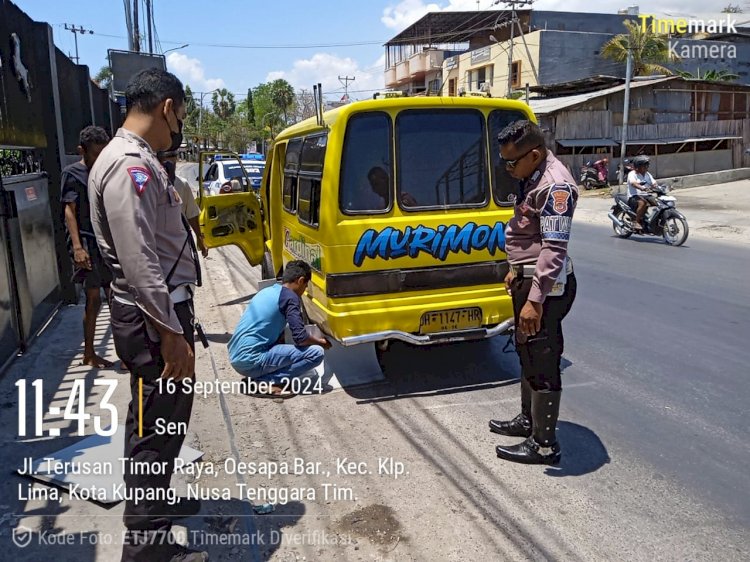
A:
180, 294
528, 270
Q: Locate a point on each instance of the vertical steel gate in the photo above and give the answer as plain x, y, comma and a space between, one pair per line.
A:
29, 283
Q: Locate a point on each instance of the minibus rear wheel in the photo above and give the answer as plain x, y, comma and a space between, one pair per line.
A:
266, 267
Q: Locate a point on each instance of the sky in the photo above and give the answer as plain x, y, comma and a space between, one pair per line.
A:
238, 44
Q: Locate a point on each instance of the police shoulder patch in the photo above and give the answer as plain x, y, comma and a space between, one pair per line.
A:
560, 199
140, 177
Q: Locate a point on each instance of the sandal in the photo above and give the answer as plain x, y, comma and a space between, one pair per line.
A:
276, 392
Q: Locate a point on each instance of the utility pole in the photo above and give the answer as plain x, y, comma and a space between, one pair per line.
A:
149, 24
510, 51
136, 31
75, 34
625, 111
345, 83
513, 20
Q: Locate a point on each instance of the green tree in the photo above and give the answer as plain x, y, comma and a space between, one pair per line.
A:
237, 133
267, 115
650, 51
191, 108
104, 77
250, 109
730, 9
223, 104
282, 96
709, 75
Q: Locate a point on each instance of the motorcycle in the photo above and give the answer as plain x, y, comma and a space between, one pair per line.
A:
661, 219
593, 176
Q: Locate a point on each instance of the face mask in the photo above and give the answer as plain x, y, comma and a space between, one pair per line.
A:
176, 137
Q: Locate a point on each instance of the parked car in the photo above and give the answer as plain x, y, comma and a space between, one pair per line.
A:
221, 173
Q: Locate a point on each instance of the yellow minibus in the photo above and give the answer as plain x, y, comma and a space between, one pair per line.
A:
399, 205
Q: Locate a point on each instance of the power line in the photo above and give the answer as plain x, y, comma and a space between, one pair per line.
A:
270, 46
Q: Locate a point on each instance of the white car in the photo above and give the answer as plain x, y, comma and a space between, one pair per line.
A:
220, 176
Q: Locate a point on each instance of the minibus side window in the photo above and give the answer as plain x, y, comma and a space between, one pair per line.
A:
441, 159
504, 187
291, 167
310, 177
366, 184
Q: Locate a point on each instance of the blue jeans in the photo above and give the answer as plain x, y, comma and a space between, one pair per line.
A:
282, 361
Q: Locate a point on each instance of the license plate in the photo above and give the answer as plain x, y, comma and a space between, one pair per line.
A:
450, 320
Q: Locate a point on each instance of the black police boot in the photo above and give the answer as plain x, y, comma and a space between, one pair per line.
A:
520, 426
542, 446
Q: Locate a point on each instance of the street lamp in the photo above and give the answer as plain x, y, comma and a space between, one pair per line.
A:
175, 49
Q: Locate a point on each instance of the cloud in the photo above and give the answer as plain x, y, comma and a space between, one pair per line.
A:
326, 68
407, 12
191, 72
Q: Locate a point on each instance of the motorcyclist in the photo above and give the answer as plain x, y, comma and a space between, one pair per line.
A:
640, 182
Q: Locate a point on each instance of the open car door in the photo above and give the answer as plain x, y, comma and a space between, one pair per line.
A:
234, 217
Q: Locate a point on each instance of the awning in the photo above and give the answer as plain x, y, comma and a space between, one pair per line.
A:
567, 143
681, 140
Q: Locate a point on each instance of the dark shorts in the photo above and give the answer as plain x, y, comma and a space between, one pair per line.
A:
633, 201
99, 276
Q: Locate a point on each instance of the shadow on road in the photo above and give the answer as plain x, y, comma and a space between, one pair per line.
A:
583, 451
658, 240
413, 371
230, 531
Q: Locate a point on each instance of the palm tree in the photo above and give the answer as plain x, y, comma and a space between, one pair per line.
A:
282, 96
649, 50
223, 103
730, 9
709, 75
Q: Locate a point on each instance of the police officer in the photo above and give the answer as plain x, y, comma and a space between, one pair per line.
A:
542, 285
136, 214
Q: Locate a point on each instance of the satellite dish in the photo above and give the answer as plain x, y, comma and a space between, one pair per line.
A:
492, 38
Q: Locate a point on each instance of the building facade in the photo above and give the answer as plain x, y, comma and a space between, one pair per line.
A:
486, 52
685, 126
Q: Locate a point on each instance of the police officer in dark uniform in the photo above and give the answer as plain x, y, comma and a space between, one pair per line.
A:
136, 214
542, 285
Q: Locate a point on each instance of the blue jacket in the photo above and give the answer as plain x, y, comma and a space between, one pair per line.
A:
263, 322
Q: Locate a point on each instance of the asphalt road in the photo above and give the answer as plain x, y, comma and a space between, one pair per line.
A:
663, 331
655, 448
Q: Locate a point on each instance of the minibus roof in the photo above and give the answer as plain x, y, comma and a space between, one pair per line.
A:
330, 117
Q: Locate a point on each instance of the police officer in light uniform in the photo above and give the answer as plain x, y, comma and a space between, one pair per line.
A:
136, 214
542, 285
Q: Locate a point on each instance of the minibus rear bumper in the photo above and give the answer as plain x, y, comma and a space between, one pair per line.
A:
430, 339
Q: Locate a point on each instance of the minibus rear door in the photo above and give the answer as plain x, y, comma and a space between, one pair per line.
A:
233, 217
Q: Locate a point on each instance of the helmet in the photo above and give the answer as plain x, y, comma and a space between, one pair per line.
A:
641, 160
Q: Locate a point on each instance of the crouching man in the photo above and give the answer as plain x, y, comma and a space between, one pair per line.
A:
254, 349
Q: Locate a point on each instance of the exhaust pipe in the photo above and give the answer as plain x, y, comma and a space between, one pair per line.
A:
615, 220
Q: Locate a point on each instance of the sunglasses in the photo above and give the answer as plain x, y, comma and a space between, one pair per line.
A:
512, 163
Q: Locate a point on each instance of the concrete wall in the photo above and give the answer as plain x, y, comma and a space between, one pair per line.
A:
567, 21
688, 49
569, 56
498, 58
668, 166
